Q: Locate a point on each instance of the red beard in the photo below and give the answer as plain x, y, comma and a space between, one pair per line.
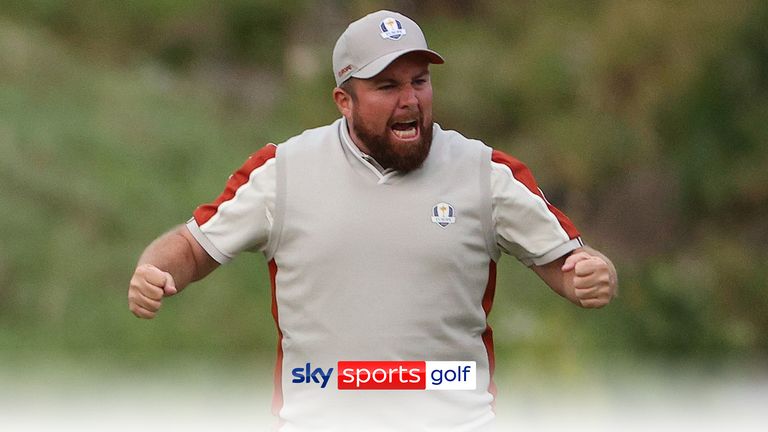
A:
403, 158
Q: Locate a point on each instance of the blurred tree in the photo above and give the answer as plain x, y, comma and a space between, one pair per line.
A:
645, 121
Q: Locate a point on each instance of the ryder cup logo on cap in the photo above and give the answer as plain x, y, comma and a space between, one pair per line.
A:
374, 41
391, 29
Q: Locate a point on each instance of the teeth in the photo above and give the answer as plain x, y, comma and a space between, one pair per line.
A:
411, 132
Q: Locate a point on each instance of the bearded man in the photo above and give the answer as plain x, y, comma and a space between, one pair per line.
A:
382, 232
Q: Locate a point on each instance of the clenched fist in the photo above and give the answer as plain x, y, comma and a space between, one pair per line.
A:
592, 282
148, 286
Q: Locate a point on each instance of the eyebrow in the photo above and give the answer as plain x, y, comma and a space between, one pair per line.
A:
377, 81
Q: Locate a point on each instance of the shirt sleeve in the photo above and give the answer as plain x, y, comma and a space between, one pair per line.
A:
241, 217
527, 226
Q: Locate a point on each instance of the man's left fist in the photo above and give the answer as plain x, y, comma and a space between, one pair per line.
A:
593, 283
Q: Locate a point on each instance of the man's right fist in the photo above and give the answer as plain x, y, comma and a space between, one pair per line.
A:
148, 286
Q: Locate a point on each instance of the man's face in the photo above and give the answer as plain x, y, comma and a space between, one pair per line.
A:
390, 115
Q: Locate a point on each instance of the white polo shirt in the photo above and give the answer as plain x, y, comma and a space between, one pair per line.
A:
373, 264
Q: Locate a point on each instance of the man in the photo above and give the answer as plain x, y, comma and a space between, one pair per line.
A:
382, 232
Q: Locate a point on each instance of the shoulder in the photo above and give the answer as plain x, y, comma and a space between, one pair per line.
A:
256, 173
501, 162
259, 163
454, 145
454, 138
508, 166
501, 158
314, 137
261, 157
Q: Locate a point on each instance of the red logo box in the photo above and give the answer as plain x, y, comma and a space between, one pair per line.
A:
382, 375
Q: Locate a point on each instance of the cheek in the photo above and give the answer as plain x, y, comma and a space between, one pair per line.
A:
375, 116
426, 100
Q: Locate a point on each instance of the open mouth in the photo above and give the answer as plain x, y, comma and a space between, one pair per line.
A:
406, 130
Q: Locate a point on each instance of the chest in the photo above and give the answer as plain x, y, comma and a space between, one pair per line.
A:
429, 218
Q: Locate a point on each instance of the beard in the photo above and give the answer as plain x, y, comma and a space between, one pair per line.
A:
403, 158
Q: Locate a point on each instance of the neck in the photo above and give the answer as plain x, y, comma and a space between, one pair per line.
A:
356, 140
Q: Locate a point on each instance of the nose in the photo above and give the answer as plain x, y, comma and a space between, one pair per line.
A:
408, 97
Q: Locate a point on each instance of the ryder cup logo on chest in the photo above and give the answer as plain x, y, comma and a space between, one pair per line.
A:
391, 29
443, 214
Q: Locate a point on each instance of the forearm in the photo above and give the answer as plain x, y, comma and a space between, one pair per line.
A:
585, 277
557, 280
173, 253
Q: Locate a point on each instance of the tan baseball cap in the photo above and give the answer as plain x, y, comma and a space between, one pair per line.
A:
374, 41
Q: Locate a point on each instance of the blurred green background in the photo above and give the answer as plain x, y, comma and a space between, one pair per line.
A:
645, 121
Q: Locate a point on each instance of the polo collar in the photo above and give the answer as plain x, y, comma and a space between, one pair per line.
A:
383, 174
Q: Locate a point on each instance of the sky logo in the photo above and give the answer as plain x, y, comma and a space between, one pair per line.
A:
307, 375
393, 375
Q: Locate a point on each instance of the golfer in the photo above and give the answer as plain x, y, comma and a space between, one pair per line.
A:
382, 232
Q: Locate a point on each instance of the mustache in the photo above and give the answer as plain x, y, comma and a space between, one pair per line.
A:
412, 115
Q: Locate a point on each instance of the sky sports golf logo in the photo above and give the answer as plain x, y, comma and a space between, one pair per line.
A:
392, 375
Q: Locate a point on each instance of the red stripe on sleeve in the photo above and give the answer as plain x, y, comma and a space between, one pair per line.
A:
206, 211
524, 176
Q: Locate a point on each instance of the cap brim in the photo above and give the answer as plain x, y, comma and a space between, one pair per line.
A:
373, 68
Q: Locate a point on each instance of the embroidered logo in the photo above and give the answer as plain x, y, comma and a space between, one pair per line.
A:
391, 29
443, 214
344, 70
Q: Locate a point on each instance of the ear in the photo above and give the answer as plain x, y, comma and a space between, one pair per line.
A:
343, 102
